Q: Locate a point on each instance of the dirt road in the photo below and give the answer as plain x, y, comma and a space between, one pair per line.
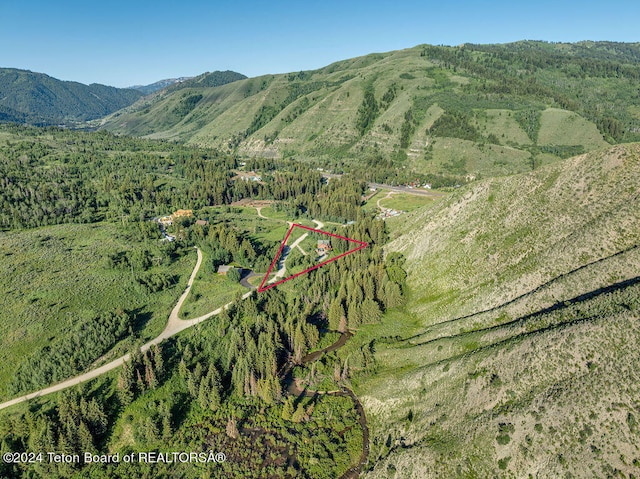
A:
282, 266
174, 326
259, 210
389, 196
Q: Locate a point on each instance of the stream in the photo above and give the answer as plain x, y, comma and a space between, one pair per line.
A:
294, 388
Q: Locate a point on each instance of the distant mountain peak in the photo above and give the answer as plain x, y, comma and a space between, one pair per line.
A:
159, 85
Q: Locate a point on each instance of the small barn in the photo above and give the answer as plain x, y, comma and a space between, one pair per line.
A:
224, 269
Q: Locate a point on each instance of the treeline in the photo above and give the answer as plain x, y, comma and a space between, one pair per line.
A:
456, 125
540, 72
223, 245
336, 200
52, 176
75, 426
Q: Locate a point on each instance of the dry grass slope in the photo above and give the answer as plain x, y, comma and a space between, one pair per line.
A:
528, 293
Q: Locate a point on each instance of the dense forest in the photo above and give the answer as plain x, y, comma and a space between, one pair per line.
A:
59, 176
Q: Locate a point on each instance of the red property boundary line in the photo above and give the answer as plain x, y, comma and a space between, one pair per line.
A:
284, 242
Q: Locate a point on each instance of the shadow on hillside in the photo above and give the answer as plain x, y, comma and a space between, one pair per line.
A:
556, 307
531, 293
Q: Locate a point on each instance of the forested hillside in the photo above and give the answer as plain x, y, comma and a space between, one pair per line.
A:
36, 98
458, 112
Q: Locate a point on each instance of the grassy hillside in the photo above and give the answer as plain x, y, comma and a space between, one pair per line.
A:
515, 354
464, 111
40, 99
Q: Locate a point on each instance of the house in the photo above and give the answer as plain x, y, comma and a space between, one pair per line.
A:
248, 176
181, 213
324, 246
166, 220
202, 222
224, 269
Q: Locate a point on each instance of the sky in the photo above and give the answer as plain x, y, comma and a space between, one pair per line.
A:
124, 43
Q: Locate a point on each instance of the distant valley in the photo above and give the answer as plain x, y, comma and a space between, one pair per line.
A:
37, 99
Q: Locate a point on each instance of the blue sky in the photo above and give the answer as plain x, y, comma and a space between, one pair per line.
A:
122, 43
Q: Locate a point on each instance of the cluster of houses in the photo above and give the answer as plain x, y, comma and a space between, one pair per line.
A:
172, 218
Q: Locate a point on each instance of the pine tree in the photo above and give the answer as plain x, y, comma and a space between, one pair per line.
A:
85, 440
125, 385
299, 414
287, 409
232, 429
336, 313
158, 362
150, 376
203, 395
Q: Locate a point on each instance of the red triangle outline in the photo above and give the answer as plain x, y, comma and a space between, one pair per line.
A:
263, 288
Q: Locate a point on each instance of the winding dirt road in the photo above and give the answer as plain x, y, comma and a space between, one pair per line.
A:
389, 195
174, 326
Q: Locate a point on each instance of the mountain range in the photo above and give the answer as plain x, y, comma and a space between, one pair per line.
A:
466, 112
159, 85
36, 98
454, 113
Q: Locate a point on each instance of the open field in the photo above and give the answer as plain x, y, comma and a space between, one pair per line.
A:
56, 279
560, 127
209, 291
454, 156
502, 124
404, 202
